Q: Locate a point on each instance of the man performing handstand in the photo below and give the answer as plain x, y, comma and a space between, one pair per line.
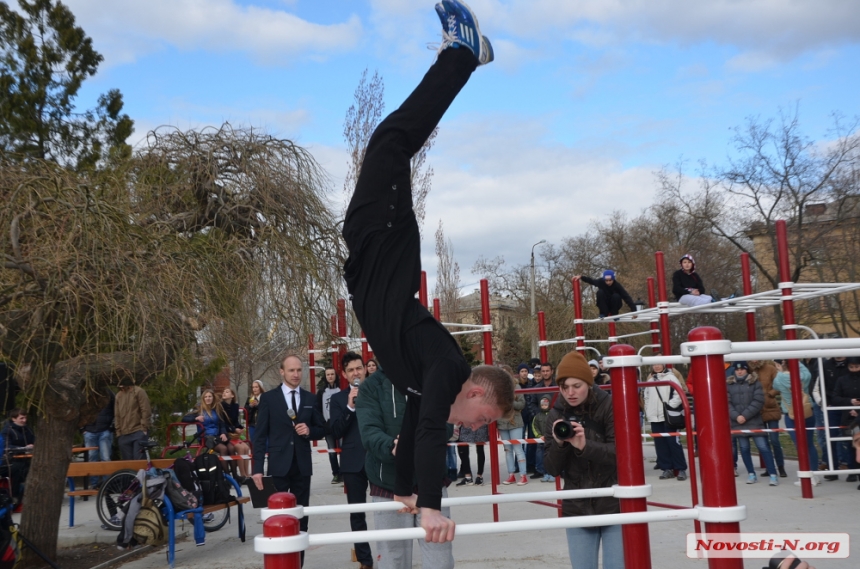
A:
383, 273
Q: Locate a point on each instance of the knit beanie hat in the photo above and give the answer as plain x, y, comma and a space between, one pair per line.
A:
523, 366
593, 363
609, 273
574, 365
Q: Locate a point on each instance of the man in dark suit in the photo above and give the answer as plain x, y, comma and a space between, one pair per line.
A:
288, 440
344, 425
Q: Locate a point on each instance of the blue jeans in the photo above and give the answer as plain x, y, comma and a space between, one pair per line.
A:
451, 462
583, 545
763, 450
775, 446
810, 423
513, 453
104, 442
539, 459
819, 434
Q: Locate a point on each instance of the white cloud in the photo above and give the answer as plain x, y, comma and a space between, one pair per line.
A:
779, 29
124, 30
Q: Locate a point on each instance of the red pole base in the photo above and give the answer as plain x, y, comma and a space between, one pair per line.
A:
281, 526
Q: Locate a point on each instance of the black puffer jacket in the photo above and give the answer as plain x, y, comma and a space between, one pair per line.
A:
592, 467
847, 388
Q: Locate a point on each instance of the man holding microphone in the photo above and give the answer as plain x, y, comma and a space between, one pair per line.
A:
344, 425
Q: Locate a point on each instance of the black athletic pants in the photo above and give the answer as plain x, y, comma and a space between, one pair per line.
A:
383, 273
608, 305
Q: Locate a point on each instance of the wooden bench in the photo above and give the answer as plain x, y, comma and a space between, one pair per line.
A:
87, 469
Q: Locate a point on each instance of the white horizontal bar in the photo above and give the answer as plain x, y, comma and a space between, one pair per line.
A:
517, 526
792, 355
465, 501
674, 360
792, 345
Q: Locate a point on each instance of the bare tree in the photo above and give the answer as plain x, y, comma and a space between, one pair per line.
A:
119, 273
777, 174
361, 120
447, 288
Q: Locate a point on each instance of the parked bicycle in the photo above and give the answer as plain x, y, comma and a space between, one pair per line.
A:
123, 485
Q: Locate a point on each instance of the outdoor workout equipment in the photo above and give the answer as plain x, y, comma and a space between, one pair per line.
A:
282, 541
657, 317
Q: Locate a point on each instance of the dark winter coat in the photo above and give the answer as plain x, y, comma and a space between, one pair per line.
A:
104, 420
746, 398
833, 370
14, 436
847, 388
682, 281
231, 412
592, 467
614, 288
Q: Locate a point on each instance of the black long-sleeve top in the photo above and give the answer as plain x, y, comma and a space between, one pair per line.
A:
683, 282
614, 288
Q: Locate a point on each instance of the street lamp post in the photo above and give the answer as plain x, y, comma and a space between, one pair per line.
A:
533, 314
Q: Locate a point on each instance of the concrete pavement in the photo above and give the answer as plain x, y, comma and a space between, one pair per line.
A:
835, 508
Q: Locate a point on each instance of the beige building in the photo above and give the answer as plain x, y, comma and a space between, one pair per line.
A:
504, 311
829, 246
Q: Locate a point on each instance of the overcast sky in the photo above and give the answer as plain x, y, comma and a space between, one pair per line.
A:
585, 101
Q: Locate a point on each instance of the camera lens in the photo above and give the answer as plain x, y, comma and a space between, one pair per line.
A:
562, 430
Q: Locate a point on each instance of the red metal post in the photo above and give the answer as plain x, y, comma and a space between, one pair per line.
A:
577, 315
628, 444
281, 526
544, 353
422, 291
663, 305
612, 332
652, 303
437, 310
746, 277
793, 365
715, 441
488, 360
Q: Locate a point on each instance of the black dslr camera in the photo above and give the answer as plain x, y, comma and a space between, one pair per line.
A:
563, 429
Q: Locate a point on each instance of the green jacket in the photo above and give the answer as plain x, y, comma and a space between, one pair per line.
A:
379, 409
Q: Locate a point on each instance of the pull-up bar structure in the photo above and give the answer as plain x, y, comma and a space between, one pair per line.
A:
282, 541
657, 317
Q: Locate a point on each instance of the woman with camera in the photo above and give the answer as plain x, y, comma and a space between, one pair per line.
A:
582, 450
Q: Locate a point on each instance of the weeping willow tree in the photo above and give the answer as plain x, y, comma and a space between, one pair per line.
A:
124, 271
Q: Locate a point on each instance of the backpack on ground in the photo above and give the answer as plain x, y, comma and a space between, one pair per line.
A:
149, 525
187, 476
210, 473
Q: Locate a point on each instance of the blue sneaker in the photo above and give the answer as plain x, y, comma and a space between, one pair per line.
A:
462, 29
443, 15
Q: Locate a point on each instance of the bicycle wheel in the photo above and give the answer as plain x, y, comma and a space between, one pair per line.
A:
110, 497
218, 518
